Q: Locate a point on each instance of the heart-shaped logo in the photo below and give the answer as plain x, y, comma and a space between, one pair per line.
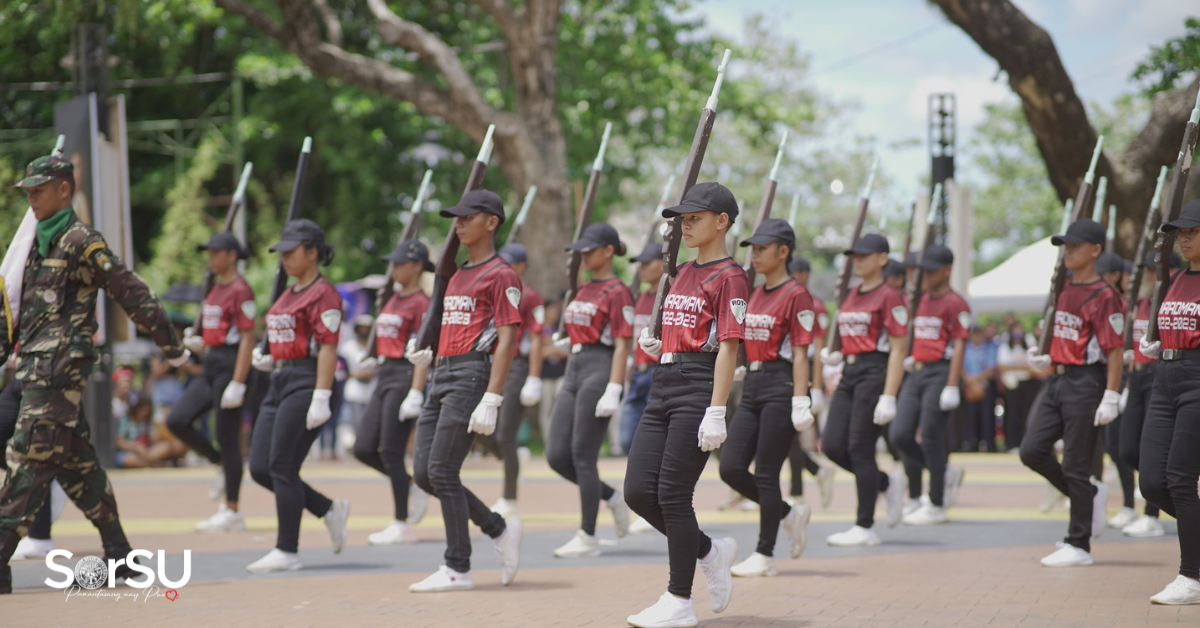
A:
172, 595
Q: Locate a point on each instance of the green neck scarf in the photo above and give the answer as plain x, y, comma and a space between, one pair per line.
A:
51, 228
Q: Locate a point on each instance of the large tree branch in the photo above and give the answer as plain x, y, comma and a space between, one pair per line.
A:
508, 19
1158, 141
257, 19
333, 26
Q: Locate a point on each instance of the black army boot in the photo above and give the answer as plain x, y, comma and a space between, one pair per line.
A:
8, 545
116, 547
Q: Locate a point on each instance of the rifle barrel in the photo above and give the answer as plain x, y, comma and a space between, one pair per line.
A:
843, 287
1165, 242
293, 213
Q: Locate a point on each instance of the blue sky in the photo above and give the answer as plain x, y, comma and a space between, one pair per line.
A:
1100, 42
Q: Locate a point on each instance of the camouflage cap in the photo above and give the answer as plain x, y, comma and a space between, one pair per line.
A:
46, 169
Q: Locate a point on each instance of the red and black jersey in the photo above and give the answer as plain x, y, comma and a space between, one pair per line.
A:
776, 319
300, 321
866, 319
533, 318
479, 299
1141, 320
706, 305
400, 318
600, 311
1177, 328
228, 311
940, 320
641, 320
821, 328
1088, 323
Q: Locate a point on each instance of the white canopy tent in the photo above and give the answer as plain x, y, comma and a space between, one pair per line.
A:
1019, 284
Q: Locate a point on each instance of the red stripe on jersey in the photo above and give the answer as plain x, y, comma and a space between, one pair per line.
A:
641, 320
866, 319
821, 329
299, 321
228, 310
533, 318
600, 311
400, 318
777, 319
1088, 323
940, 320
1141, 321
706, 305
1177, 327
478, 299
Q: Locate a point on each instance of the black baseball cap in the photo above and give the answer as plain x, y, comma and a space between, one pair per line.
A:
910, 259
652, 252
869, 243
709, 196
410, 251
1081, 231
513, 253
936, 256
769, 231
477, 201
1189, 218
1109, 263
894, 268
224, 241
596, 235
297, 232
799, 264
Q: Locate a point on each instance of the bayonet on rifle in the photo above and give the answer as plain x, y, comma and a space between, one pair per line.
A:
516, 228
764, 207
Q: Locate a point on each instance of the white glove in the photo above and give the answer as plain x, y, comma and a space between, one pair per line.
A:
368, 364
1152, 350
818, 400
531, 392
424, 357
712, 428
885, 410
802, 415
1127, 357
562, 341
651, 345
1037, 360
234, 395
949, 399
483, 419
318, 410
831, 372
194, 343
739, 374
1124, 399
410, 408
1109, 409
830, 358
261, 361
610, 401
909, 363
181, 360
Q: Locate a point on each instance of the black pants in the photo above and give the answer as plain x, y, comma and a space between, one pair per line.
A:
762, 433
278, 445
1017, 403
442, 445
10, 409
1068, 410
665, 462
503, 442
1170, 456
1112, 444
1141, 386
981, 423
850, 430
201, 395
918, 408
382, 438
576, 433
799, 460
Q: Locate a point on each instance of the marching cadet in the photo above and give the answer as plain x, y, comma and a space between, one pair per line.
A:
798, 459
1111, 269
52, 328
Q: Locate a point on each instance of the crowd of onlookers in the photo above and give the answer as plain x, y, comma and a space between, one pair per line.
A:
999, 387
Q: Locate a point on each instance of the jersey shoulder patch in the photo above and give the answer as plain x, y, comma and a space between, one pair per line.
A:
1117, 321
514, 295
900, 313
332, 320
738, 307
964, 319
539, 314
249, 309
627, 314
806, 319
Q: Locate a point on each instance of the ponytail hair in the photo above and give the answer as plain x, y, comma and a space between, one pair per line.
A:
619, 249
324, 254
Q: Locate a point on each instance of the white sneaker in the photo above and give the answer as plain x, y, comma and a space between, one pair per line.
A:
856, 536
29, 547
640, 525
506, 508
217, 491
508, 548
582, 545
1067, 556
954, 480
795, 524
444, 579
275, 560
716, 567
1145, 527
1099, 502
732, 501
668, 612
926, 516
757, 566
418, 504
225, 520
1124, 517
1053, 498
1182, 591
397, 533
894, 496
335, 521
911, 505
620, 513
825, 484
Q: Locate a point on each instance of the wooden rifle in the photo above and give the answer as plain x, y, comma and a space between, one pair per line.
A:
293, 213
409, 232
575, 258
843, 286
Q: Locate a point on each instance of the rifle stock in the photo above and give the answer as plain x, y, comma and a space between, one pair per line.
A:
843, 287
575, 258
293, 213
919, 276
520, 221
239, 197
764, 207
385, 292
635, 284
1135, 286
1165, 242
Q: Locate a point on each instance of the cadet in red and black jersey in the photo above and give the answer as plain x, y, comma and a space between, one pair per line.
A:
1081, 394
872, 324
703, 314
1111, 268
523, 388
596, 331
637, 393
226, 340
381, 437
930, 391
1170, 456
775, 403
798, 458
476, 343
302, 336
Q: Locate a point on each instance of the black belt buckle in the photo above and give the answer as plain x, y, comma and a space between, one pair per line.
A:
1060, 369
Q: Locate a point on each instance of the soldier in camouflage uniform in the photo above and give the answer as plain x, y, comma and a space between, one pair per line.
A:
68, 264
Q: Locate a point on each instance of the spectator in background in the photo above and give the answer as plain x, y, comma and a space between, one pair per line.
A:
136, 445
360, 383
979, 369
1020, 384
123, 395
327, 444
164, 386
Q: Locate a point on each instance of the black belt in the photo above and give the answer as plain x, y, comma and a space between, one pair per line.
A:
921, 366
473, 356
769, 365
701, 357
297, 363
1063, 369
1175, 355
591, 348
855, 357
